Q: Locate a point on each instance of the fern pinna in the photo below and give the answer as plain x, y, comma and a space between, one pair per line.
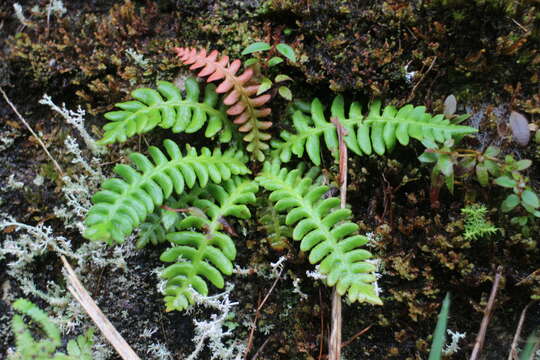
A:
240, 90
324, 230
376, 132
124, 203
167, 108
202, 240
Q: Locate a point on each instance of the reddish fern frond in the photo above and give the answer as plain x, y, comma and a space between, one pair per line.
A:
240, 94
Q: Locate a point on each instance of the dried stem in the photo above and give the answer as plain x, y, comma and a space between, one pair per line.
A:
479, 343
111, 334
55, 163
513, 352
334, 352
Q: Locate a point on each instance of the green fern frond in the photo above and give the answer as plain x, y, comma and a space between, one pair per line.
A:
29, 348
168, 109
273, 224
202, 246
124, 203
324, 230
151, 231
375, 132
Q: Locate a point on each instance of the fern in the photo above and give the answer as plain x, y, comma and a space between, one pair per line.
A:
273, 224
166, 108
240, 91
376, 132
125, 203
151, 231
30, 348
202, 247
323, 229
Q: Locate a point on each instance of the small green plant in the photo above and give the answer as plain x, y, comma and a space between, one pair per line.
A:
476, 224
484, 165
29, 347
265, 57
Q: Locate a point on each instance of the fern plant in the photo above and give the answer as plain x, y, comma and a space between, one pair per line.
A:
167, 108
30, 348
323, 230
202, 243
240, 94
378, 131
124, 203
210, 184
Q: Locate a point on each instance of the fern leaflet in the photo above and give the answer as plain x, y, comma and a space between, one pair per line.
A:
240, 95
201, 246
166, 108
323, 229
376, 132
124, 203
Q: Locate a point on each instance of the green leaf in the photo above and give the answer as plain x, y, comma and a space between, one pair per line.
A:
482, 175
446, 165
255, 47
274, 61
505, 181
439, 335
266, 84
285, 93
282, 77
286, 51
428, 157
530, 198
492, 151
523, 164
251, 61
510, 203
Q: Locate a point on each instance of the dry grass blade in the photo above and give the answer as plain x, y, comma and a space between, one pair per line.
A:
113, 336
55, 163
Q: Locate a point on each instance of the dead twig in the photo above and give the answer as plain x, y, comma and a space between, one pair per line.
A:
258, 313
360, 333
334, 351
513, 351
89, 305
55, 163
479, 343
261, 348
411, 95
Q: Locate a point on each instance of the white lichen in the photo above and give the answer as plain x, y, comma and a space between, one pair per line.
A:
137, 58
453, 347
211, 334
20, 15
75, 118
